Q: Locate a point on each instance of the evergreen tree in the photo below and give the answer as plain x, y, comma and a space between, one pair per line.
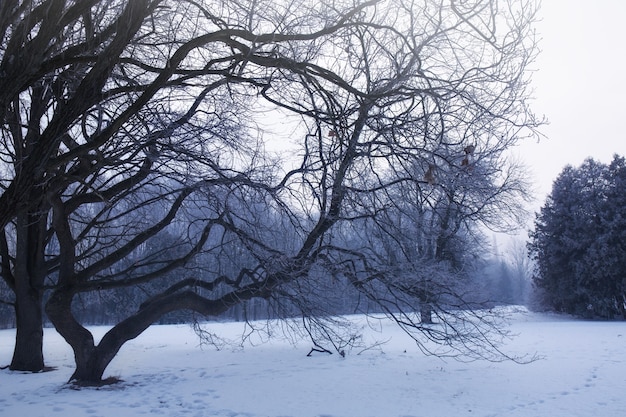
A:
578, 240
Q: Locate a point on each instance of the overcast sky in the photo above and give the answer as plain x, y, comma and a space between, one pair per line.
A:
579, 86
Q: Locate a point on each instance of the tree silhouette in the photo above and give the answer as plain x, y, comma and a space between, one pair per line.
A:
121, 118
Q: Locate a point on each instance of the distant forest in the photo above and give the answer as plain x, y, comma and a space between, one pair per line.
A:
498, 280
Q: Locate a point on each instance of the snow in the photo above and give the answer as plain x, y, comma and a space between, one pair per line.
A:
165, 372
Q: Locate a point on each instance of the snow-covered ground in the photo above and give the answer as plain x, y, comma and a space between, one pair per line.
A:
165, 372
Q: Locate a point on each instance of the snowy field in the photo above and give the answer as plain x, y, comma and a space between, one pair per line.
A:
165, 372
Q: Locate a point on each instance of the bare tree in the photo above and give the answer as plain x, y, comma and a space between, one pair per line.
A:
413, 117
76, 79
46, 88
134, 94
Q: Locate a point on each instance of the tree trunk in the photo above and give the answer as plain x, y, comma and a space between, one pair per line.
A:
28, 353
89, 368
426, 313
621, 305
91, 360
29, 276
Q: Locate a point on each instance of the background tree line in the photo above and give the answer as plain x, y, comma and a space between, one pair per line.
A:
134, 163
494, 280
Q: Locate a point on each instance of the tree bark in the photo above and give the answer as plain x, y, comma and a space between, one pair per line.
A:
29, 276
80, 339
28, 353
426, 313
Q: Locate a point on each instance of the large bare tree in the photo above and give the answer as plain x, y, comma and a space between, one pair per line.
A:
55, 64
88, 89
127, 106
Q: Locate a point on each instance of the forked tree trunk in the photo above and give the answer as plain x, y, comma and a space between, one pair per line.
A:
89, 367
91, 360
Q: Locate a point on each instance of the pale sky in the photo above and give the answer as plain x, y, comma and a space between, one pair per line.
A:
579, 86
